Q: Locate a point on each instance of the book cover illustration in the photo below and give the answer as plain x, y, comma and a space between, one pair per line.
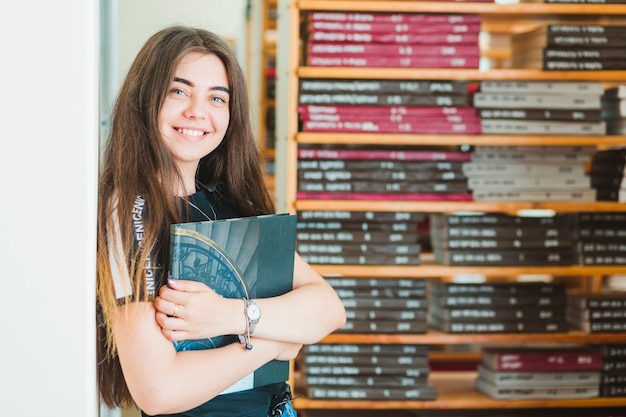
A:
248, 257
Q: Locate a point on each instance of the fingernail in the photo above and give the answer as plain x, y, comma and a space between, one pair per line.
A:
172, 281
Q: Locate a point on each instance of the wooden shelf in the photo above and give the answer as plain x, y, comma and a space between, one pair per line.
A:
455, 206
483, 8
456, 392
437, 271
458, 74
434, 337
455, 140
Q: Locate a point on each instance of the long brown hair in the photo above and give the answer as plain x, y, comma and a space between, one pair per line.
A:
136, 163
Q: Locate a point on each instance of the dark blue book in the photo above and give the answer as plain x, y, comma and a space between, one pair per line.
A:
245, 258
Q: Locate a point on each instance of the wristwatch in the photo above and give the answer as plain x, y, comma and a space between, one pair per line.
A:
253, 314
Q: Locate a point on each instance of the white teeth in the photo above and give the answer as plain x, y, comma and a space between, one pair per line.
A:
189, 132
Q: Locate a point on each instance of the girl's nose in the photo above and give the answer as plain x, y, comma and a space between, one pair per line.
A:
197, 109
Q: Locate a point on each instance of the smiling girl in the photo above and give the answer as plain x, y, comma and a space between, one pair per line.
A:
181, 149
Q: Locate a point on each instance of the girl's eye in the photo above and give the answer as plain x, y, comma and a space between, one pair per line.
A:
177, 92
218, 99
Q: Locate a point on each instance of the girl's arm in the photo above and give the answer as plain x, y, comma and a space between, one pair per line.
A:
304, 315
163, 381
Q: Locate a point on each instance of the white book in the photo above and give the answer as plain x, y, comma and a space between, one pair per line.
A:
505, 379
472, 169
535, 127
536, 101
529, 183
587, 195
537, 393
555, 87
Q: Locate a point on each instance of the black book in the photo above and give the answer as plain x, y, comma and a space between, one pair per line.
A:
379, 175
499, 301
384, 165
500, 220
371, 226
500, 232
503, 243
497, 288
603, 300
346, 282
381, 292
385, 303
382, 86
362, 259
330, 370
385, 315
506, 257
382, 99
367, 360
583, 53
485, 326
498, 314
594, 218
425, 392
580, 64
601, 233
591, 247
405, 187
599, 326
371, 248
359, 381
603, 258
352, 236
366, 349
359, 216
383, 326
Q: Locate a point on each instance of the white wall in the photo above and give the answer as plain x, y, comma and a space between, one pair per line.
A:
48, 169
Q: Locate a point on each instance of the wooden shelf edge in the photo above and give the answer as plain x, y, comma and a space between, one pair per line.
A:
457, 74
438, 271
454, 206
456, 139
485, 8
434, 337
455, 392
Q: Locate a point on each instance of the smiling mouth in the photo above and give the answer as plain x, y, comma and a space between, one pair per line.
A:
191, 132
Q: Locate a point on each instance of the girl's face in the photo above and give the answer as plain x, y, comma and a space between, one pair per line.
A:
194, 116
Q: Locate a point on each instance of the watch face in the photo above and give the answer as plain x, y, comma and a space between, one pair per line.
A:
254, 312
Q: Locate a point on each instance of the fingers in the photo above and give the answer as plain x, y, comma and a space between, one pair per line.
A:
187, 285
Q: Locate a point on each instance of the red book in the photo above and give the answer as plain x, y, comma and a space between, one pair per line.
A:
404, 38
378, 126
319, 60
399, 28
542, 359
393, 18
369, 49
384, 154
407, 111
383, 197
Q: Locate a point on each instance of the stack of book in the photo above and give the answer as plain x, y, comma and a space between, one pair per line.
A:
499, 239
386, 106
354, 39
613, 382
602, 238
358, 238
570, 47
367, 372
607, 170
535, 373
498, 307
381, 173
530, 173
385, 305
614, 110
603, 312
540, 107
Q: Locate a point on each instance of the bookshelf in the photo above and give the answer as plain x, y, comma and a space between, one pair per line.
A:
455, 390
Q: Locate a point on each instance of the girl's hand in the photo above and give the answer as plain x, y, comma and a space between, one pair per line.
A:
189, 310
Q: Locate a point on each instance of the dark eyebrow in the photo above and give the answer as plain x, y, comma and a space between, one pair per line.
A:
190, 84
